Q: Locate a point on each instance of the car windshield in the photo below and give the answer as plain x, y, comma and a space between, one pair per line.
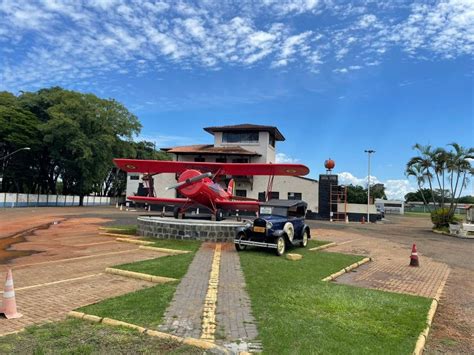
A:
269, 210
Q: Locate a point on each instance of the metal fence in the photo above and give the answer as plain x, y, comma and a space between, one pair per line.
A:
11, 200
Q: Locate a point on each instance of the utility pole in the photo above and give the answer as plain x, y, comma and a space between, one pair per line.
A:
368, 151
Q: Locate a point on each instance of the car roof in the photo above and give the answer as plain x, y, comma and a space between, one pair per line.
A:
284, 203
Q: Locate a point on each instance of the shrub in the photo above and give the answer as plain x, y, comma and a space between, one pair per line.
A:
442, 217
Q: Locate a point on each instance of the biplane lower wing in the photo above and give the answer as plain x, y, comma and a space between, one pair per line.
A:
238, 205
161, 200
177, 167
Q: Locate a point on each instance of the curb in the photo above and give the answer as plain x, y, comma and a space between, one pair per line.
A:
202, 344
106, 234
346, 269
325, 246
139, 275
134, 241
165, 250
420, 343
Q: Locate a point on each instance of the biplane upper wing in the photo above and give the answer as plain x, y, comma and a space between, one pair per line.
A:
177, 167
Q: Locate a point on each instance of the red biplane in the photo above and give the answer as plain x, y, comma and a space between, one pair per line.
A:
198, 182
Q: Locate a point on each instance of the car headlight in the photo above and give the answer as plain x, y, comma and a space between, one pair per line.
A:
248, 225
269, 225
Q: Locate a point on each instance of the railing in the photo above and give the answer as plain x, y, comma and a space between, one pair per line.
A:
11, 200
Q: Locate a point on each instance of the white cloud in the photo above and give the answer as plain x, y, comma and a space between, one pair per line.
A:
394, 188
283, 158
79, 42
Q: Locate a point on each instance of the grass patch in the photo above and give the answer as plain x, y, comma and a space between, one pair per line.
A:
122, 229
146, 307
168, 266
297, 313
79, 337
191, 245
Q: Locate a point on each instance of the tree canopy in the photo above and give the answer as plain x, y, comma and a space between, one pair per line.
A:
73, 138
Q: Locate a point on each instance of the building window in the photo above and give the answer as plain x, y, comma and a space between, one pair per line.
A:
272, 140
274, 195
134, 177
221, 160
295, 196
241, 193
240, 137
199, 159
240, 160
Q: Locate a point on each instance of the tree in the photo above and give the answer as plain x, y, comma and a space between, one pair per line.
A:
443, 168
73, 138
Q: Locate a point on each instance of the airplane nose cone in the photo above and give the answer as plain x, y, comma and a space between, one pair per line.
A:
194, 188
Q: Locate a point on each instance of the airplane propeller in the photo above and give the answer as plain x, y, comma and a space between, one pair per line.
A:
189, 181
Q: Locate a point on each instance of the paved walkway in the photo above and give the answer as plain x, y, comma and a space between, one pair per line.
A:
69, 273
236, 327
389, 270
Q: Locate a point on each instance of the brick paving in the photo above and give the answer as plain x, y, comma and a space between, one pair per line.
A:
236, 327
68, 272
183, 316
389, 270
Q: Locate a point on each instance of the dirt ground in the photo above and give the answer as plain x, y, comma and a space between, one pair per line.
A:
453, 326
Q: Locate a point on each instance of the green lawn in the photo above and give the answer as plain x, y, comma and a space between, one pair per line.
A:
299, 314
122, 229
80, 337
146, 307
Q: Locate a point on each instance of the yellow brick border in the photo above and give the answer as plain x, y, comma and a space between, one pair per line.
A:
139, 275
134, 241
199, 343
420, 343
116, 235
346, 269
324, 246
209, 322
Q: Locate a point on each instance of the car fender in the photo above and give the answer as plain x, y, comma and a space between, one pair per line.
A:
278, 233
306, 227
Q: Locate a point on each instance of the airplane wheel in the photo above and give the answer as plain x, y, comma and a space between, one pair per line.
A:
219, 215
176, 212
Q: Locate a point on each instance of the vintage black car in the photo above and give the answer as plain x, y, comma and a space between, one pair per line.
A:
280, 224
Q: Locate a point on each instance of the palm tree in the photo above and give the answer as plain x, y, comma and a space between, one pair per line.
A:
416, 170
459, 167
424, 161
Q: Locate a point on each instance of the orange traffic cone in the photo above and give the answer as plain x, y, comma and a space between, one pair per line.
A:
414, 257
9, 302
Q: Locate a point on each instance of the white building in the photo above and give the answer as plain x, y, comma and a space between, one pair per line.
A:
245, 143
390, 206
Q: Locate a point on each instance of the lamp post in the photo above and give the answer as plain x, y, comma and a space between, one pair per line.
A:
16, 151
368, 151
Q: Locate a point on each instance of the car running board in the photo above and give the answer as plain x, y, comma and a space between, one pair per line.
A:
255, 244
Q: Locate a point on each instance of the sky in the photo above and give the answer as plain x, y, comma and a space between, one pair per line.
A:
335, 77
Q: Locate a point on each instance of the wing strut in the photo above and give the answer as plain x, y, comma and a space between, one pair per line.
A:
269, 187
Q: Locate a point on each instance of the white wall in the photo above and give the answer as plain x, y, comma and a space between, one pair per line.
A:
356, 208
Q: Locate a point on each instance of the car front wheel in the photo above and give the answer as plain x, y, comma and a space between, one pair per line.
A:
304, 241
280, 249
238, 246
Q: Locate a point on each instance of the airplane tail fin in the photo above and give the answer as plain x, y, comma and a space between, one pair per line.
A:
230, 187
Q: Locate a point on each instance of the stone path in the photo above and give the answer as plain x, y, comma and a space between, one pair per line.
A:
69, 273
389, 270
236, 327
